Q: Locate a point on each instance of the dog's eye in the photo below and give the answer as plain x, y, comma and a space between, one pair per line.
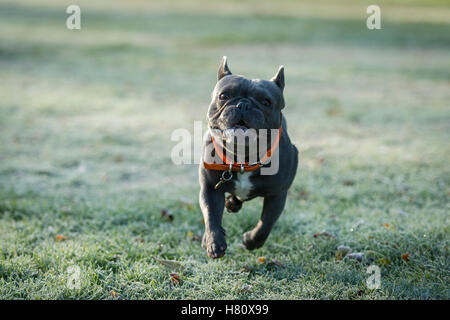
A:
223, 96
266, 102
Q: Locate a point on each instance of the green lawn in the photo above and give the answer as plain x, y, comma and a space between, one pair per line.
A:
85, 123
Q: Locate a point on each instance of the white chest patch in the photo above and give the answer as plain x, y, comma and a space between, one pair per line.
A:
242, 186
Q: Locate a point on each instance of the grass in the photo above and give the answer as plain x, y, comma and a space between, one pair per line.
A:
85, 124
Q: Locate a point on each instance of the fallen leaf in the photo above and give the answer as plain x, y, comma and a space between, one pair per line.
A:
405, 256
166, 214
175, 277
276, 262
334, 111
348, 182
303, 194
323, 234
60, 237
170, 264
389, 226
118, 158
115, 295
261, 259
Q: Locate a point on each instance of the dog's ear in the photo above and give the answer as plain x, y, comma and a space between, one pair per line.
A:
223, 69
279, 78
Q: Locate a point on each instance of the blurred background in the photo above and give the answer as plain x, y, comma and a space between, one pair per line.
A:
86, 117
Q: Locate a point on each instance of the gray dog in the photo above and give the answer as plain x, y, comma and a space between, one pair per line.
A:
245, 104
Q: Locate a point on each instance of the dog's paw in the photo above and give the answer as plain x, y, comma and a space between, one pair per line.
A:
250, 242
233, 204
214, 244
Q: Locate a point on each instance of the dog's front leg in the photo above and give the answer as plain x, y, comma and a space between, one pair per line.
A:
212, 204
272, 208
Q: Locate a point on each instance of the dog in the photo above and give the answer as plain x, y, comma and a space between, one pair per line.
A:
242, 104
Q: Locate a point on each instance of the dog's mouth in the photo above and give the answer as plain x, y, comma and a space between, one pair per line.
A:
239, 140
240, 125
238, 133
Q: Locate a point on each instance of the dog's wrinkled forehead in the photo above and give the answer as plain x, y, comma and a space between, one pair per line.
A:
237, 85
241, 83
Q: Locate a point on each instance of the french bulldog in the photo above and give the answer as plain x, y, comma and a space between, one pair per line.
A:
242, 103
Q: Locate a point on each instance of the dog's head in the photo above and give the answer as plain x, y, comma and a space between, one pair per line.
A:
242, 103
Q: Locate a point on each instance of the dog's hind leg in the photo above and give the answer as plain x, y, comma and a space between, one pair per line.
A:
233, 204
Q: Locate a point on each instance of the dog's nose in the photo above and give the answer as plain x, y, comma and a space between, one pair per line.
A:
243, 105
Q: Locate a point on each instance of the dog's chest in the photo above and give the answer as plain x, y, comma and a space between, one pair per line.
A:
242, 186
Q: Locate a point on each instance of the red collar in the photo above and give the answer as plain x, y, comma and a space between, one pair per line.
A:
242, 167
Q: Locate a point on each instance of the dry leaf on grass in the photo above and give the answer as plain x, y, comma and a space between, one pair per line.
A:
405, 256
323, 234
303, 194
389, 226
175, 277
276, 262
334, 111
118, 158
348, 182
167, 214
115, 295
60, 237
